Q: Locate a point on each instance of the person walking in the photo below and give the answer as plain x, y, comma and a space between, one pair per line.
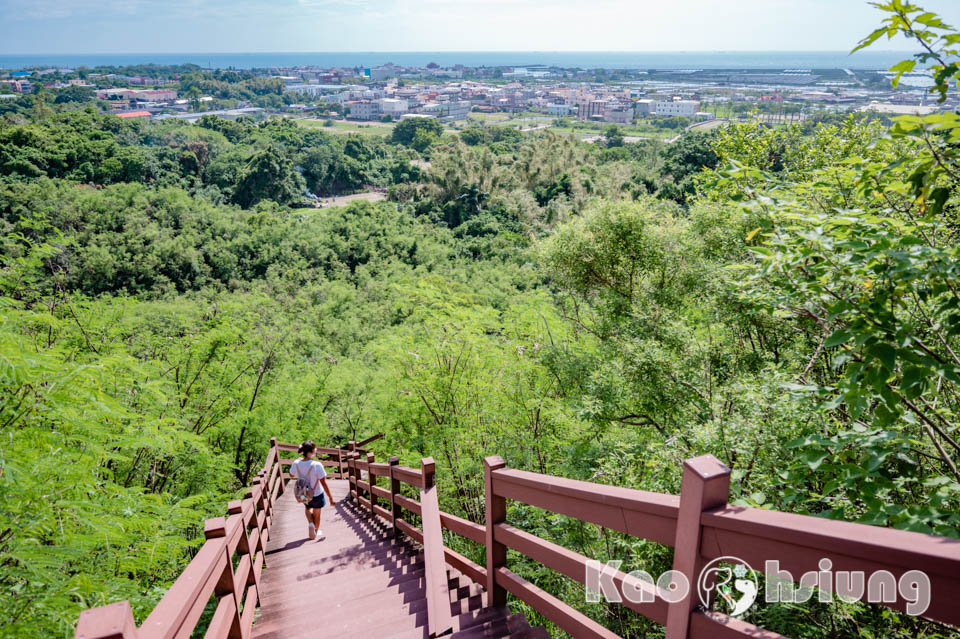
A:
310, 477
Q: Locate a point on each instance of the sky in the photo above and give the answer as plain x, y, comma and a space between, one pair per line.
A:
202, 26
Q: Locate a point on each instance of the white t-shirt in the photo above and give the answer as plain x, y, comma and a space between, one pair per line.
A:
311, 470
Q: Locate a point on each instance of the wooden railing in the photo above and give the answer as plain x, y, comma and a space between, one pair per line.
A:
699, 524
439, 618
239, 539
331, 457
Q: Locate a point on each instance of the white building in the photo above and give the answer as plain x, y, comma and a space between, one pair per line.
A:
394, 107
643, 107
363, 110
687, 108
379, 74
561, 110
618, 115
448, 111
313, 90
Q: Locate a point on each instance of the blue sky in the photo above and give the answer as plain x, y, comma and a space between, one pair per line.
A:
170, 26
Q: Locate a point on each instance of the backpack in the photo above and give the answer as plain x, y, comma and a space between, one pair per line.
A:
303, 491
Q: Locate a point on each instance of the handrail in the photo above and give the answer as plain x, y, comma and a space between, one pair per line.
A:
701, 526
243, 533
366, 493
370, 439
336, 458
439, 619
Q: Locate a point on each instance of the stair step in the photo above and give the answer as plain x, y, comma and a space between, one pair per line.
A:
495, 628
480, 616
531, 633
319, 591
463, 606
360, 582
416, 633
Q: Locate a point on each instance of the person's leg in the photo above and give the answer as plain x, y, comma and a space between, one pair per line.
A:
311, 529
316, 517
306, 511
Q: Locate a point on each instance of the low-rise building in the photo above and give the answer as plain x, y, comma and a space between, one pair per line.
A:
363, 110
643, 107
560, 110
620, 114
227, 114
448, 111
394, 107
686, 108
591, 109
379, 74
19, 86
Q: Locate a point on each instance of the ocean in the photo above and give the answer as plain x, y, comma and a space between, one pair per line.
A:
870, 60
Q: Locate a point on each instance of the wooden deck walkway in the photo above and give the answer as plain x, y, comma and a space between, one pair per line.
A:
358, 582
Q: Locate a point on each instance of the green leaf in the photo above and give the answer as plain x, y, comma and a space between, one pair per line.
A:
814, 458
870, 39
838, 337
885, 354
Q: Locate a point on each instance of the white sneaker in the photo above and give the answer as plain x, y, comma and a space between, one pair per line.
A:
312, 531
319, 534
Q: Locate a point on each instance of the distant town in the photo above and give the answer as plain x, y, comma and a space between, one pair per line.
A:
654, 103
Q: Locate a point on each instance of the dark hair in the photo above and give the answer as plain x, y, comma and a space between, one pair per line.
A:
306, 447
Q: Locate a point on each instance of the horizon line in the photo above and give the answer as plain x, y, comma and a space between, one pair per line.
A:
378, 51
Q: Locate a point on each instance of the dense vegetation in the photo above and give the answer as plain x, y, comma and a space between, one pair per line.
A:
785, 299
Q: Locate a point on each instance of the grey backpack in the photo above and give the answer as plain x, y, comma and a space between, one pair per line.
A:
303, 491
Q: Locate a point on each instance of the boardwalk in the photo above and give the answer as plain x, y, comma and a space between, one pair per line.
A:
356, 581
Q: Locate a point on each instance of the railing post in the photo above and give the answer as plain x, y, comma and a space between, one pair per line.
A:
439, 619
372, 480
705, 485
259, 503
394, 489
352, 471
107, 622
355, 475
265, 486
276, 461
496, 513
216, 528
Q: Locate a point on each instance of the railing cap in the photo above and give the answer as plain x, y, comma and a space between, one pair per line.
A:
215, 527
706, 466
114, 621
494, 462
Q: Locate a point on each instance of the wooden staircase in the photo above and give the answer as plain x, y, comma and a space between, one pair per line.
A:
376, 575
360, 582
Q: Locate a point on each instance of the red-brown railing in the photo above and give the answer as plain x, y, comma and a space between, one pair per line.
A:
699, 524
439, 618
242, 534
331, 457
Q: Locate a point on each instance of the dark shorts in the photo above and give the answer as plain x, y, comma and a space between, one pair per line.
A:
318, 501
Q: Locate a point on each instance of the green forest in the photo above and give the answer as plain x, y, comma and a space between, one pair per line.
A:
784, 298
